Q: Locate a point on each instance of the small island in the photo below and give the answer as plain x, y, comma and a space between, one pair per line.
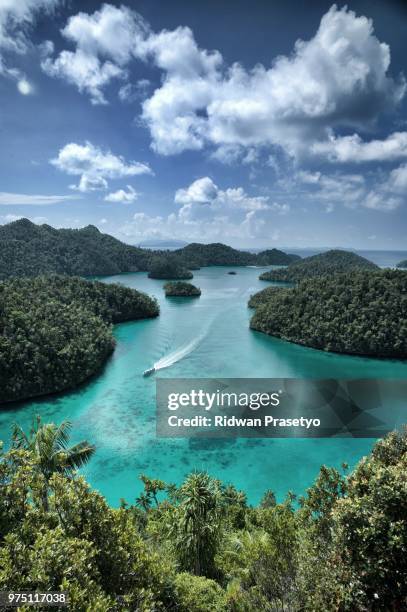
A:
181, 289
57, 331
168, 269
359, 313
402, 264
331, 262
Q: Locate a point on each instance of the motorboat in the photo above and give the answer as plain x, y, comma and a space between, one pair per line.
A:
149, 372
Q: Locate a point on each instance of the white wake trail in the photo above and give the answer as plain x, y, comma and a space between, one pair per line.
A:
178, 354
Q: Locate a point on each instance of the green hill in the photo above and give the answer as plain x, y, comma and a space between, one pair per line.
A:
218, 254
331, 262
168, 268
362, 313
181, 289
27, 249
402, 264
55, 332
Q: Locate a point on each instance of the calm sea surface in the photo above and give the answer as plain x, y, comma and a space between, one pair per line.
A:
204, 337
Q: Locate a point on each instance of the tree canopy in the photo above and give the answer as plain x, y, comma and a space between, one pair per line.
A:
331, 262
181, 289
27, 249
55, 332
361, 313
198, 546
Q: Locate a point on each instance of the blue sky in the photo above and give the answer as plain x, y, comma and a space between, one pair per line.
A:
255, 124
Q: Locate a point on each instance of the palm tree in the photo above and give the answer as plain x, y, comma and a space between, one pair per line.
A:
198, 525
48, 443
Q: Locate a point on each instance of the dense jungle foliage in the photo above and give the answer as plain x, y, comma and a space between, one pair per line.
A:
27, 249
402, 264
199, 547
362, 313
331, 262
55, 331
168, 268
261, 297
181, 289
218, 254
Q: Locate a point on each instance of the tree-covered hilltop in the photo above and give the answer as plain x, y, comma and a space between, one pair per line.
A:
168, 268
218, 254
55, 332
331, 262
275, 257
181, 289
27, 249
261, 297
361, 313
402, 264
199, 546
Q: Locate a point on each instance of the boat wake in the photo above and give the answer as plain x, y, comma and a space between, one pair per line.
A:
177, 355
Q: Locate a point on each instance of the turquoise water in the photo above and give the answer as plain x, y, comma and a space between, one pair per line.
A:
204, 337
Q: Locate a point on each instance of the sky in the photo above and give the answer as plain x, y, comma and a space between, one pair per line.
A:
257, 124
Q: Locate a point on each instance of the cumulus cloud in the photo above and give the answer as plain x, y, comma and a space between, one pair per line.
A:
355, 190
204, 191
25, 199
201, 191
103, 46
95, 166
16, 17
209, 213
126, 197
347, 149
338, 78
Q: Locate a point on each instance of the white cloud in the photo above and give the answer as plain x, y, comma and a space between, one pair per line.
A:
209, 213
83, 70
25, 87
102, 221
25, 199
204, 191
337, 78
398, 179
103, 46
95, 166
201, 191
130, 93
126, 197
348, 149
16, 17
355, 190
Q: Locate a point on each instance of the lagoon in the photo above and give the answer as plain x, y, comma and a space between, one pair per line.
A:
204, 337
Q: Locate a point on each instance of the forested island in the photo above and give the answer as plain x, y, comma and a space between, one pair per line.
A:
27, 249
402, 264
218, 254
56, 331
168, 269
331, 262
359, 313
198, 546
181, 289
